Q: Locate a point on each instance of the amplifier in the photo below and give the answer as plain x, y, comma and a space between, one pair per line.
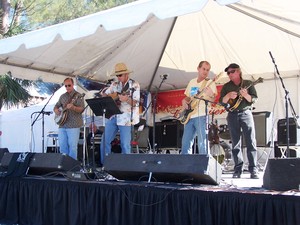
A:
168, 134
294, 134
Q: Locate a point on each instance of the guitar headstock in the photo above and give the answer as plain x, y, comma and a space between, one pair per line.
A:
217, 77
259, 80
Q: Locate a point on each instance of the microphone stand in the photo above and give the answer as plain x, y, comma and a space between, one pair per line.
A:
287, 101
163, 78
42, 112
131, 118
207, 120
93, 143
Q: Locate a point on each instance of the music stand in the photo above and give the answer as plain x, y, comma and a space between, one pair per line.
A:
103, 105
106, 107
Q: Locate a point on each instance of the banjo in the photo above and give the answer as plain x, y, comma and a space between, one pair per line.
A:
62, 117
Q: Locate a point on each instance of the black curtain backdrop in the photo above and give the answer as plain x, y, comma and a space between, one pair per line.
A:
31, 201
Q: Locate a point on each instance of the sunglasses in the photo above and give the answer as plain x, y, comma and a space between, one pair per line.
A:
231, 71
119, 75
68, 85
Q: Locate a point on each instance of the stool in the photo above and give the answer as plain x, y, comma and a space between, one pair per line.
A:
54, 137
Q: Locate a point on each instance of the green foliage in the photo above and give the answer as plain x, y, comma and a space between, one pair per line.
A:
43, 13
11, 92
28, 15
14, 30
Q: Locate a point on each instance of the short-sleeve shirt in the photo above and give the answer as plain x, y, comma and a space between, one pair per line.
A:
74, 119
194, 88
132, 88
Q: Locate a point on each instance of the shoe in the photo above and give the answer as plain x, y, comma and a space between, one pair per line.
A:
236, 174
254, 175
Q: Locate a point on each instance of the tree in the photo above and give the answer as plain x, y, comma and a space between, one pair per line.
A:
19, 16
11, 91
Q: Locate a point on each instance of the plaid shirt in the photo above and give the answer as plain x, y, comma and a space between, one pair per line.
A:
74, 119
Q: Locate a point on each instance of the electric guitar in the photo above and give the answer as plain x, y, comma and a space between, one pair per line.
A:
234, 103
186, 114
64, 112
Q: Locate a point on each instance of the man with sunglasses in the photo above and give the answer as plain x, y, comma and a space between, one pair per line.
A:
240, 119
69, 109
126, 93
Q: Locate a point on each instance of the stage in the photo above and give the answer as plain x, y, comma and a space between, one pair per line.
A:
58, 199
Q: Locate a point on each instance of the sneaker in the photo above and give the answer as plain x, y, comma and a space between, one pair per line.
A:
236, 174
254, 175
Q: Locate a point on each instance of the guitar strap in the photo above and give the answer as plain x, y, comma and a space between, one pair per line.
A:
126, 86
241, 85
71, 98
203, 85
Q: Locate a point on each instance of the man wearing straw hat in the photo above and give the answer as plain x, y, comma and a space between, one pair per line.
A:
126, 93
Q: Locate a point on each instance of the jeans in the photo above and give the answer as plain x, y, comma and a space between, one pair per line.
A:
195, 126
111, 129
68, 141
242, 123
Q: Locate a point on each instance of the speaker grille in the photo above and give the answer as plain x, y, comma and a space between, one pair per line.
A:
281, 174
294, 134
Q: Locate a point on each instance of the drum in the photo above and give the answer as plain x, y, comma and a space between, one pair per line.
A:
224, 132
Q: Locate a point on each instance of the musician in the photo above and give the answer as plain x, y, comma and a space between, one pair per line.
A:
240, 118
69, 109
205, 89
126, 93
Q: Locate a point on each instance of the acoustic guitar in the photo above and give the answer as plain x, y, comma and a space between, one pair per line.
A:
115, 96
62, 117
234, 103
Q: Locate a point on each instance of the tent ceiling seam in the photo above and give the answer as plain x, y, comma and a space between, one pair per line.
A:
119, 46
264, 21
162, 52
38, 69
267, 13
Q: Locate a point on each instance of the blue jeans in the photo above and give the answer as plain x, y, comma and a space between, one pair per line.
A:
238, 123
111, 129
195, 126
68, 141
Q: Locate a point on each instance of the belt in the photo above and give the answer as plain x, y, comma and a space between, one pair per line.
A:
239, 110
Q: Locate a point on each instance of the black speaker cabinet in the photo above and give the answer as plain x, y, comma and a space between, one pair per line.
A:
263, 128
281, 174
294, 134
199, 169
2, 151
168, 134
43, 163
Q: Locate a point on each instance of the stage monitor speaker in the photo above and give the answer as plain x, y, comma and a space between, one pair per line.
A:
294, 133
200, 169
168, 134
44, 163
281, 174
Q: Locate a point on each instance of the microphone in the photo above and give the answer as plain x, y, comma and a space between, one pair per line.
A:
109, 81
225, 105
164, 76
48, 112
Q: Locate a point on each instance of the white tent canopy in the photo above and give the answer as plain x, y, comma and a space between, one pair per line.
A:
158, 37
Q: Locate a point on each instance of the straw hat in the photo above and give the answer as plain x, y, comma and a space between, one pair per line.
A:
121, 68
